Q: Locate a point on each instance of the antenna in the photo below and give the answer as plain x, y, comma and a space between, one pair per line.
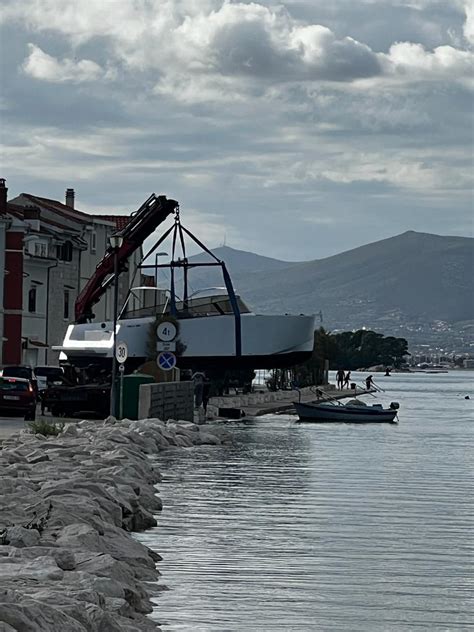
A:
320, 314
225, 239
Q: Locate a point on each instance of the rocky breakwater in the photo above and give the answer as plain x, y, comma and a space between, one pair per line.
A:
67, 506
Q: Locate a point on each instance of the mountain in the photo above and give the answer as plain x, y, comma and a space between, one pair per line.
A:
241, 264
413, 278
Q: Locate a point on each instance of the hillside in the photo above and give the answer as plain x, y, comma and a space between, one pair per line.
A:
412, 278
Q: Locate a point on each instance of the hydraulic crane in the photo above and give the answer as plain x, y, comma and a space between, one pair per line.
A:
141, 225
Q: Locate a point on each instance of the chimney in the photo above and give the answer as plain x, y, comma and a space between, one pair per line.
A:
70, 198
3, 197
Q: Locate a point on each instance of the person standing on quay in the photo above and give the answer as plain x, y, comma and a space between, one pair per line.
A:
347, 379
369, 382
340, 378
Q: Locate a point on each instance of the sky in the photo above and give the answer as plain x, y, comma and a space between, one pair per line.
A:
295, 129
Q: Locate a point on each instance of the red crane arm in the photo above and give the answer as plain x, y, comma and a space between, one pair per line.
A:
142, 224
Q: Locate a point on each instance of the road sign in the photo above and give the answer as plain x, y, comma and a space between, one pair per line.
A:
121, 352
166, 331
166, 346
166, 360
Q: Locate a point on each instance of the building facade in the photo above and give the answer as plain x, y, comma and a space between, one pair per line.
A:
50, 251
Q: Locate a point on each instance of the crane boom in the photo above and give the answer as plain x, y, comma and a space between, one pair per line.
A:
142, 224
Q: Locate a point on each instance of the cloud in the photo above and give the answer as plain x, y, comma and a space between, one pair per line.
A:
40, 65
203, 47
468, 28
414, 62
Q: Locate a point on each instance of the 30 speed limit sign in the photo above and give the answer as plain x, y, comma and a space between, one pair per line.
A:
121, 352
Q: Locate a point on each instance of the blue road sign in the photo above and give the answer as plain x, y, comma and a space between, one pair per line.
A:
166, 360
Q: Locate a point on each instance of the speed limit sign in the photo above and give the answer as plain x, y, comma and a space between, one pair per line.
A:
121, 352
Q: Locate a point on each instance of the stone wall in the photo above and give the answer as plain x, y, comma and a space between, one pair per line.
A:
167, 400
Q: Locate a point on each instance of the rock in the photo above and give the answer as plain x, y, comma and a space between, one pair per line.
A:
65, 560
21, 537
75, 568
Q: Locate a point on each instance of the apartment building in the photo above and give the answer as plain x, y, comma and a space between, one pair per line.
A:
48, 252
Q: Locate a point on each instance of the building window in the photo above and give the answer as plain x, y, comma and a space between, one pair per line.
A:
32, 300
93, 241
64, 252
66, 305
40, 249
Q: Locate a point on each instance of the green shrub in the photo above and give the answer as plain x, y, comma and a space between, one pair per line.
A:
46, 428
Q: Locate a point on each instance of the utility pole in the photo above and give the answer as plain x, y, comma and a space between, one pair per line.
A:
116, 242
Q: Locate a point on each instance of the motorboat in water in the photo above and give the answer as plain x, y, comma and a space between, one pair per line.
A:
354, 411
215, 331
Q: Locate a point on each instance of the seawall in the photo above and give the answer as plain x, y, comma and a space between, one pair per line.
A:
68, 505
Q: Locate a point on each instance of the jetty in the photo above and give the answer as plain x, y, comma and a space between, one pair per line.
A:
264, 402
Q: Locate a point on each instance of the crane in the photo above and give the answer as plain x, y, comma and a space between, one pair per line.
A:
143, 222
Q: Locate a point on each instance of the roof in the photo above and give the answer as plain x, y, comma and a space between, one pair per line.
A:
120, 221
59, 207
148, 280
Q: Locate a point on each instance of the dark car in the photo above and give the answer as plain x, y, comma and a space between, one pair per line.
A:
23, 371
17, 396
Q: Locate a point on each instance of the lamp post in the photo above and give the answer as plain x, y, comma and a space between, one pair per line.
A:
115, 242
158, 254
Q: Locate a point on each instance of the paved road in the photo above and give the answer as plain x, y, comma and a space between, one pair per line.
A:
11, 425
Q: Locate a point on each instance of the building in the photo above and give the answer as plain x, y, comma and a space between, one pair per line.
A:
48, 252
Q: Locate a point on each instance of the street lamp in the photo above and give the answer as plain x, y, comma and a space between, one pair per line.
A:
115, 242
158, 254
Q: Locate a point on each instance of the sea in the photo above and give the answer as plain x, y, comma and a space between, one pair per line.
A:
325, 527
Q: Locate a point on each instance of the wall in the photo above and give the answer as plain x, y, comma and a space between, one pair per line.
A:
3, 225
167, 400
13, 296
65, 276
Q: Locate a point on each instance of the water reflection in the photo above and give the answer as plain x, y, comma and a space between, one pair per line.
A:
313, 527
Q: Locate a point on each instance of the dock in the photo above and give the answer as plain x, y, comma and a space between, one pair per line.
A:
264, 402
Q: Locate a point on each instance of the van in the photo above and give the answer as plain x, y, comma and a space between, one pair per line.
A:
48, 375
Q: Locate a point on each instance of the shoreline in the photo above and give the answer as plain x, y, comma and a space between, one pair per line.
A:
69, 506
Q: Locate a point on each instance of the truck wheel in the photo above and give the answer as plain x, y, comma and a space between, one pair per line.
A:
30, 416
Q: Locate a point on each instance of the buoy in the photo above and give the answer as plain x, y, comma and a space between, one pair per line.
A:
467, 397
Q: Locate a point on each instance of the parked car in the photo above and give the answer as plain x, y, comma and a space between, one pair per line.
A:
17, 396
46, 375
23, 371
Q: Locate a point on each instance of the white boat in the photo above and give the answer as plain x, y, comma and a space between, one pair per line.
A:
207, 333
215, 331
352, 412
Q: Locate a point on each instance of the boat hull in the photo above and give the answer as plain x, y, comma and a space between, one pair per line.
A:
209, 342
315, 412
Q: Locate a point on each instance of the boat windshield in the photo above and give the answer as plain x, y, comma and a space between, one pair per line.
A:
214, 305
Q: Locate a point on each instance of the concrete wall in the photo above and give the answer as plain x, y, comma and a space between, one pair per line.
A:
167, 400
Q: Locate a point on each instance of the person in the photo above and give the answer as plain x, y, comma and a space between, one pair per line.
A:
347, 379
369, 382
198, 379
340, 378
206, 389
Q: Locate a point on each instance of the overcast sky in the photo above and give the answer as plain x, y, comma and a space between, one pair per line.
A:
295, 129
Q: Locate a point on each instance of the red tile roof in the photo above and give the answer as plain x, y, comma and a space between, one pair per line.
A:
120, 221
148, 281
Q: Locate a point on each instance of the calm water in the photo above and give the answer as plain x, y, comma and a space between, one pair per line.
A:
325, 527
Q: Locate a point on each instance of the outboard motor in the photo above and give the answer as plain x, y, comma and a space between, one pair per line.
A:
394, 405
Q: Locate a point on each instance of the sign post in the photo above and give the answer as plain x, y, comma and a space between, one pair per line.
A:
121, 354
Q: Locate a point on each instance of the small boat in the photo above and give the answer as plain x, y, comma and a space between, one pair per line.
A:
355, 411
